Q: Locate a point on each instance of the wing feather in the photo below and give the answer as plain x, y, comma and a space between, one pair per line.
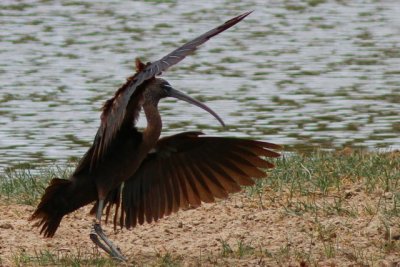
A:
201, 185
191, 196
156, 201
193, 191
176, 192
214, 185
187, 169
229, 183
140, 212
146, 198
118, 110
240, 177
169, 193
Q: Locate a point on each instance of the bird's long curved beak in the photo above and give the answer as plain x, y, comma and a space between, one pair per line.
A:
179, 95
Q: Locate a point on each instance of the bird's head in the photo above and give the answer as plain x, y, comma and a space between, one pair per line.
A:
159, 88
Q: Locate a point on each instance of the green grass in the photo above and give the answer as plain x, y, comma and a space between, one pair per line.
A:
299, 174
320, 171
239, 250
318, 185
84, 257
326, 174
47, 258
26, 185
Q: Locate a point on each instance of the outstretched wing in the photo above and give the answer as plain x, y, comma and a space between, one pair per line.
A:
114, 111
188, 48
187, 169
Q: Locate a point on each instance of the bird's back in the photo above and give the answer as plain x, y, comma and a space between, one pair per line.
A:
117, 164
64, 196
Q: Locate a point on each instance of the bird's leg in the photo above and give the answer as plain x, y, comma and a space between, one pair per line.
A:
97, 232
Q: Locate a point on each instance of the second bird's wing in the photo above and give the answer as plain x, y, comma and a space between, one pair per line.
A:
187, 169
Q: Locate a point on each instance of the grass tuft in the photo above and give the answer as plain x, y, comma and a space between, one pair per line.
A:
48, 258
321, 172
26, 185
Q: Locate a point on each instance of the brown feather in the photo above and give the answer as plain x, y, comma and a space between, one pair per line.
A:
261, 151
185, 177
255, 160
194, 193
60, 198
232, 185
175, 190
202, 183
154, 194
202, 189
181, 182
174, 184
146, 199
139, 65
215, 186
163, 199
114, 111
229, 185
169, 194
153, 198
239, 176
140, 203
187, 169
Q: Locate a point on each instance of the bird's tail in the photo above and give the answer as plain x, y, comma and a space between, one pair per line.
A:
52, 207
60, 198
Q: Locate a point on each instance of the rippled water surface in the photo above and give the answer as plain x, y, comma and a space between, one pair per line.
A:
300, 73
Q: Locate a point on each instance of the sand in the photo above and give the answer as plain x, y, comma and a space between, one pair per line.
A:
270, 229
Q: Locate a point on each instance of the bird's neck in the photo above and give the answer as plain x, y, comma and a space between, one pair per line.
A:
152, 132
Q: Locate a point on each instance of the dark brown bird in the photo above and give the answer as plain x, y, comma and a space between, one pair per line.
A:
146, 178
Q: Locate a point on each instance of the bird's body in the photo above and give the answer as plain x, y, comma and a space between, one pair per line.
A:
144, 177
91, 181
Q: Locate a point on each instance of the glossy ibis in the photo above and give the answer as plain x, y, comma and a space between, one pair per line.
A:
146, 178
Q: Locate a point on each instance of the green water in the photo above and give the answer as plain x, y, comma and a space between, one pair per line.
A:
300, 73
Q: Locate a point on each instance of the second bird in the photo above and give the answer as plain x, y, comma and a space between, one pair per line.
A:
144, 177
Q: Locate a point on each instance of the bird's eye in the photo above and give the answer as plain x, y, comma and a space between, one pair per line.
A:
167, 87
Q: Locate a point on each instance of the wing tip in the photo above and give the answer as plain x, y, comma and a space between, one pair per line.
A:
245, 14
240, 17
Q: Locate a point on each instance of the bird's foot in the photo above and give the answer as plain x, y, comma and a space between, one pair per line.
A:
107, 246
95, 238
